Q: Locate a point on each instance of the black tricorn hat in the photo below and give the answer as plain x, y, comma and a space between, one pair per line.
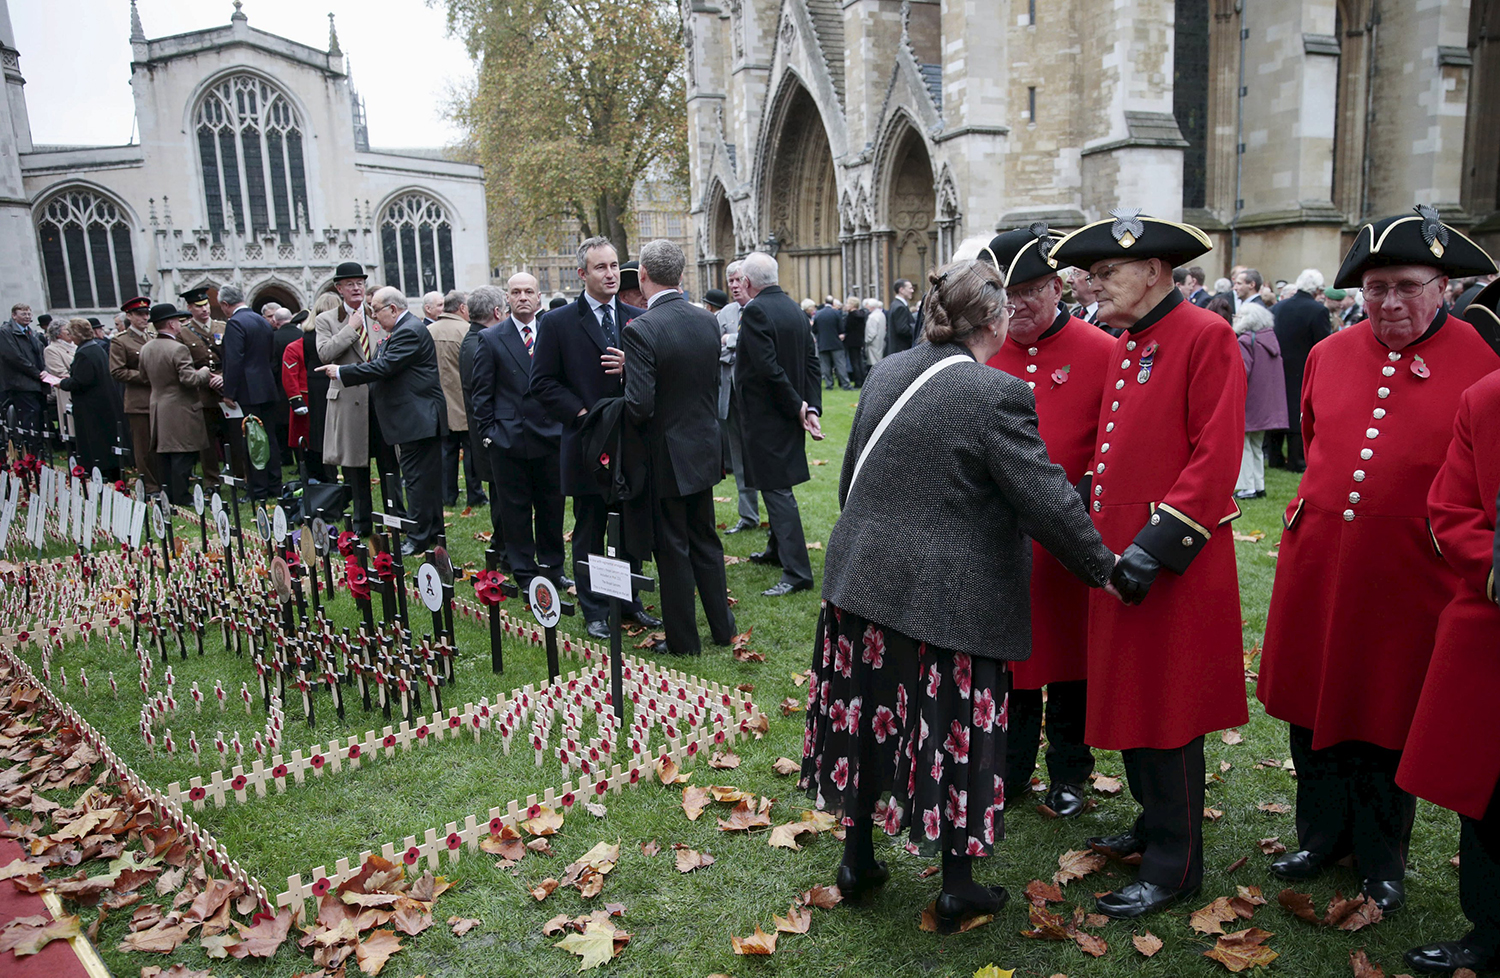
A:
1412, 239
1020, 255
167, 310
349, 269
194, 296
716, 297
556, 302
630, 275
1483, 312
300, 318
1129, 235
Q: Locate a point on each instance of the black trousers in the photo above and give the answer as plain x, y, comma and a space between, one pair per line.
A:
265, 483
1347, 801
178, 469
528, 500
786, 542
1292, 456
1479, 877
1069, 759
1168, 785
456, 443
28, 405
689, 555
590, 524
383, 458
422, 469
358, 480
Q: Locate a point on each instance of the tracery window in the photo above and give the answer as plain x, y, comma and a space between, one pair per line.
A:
86, 251
250, 145
416, 245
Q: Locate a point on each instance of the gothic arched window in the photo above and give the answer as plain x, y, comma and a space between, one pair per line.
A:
86, 251
250, 144
416, 245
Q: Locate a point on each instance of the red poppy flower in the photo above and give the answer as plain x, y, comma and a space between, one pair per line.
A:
454, 841
692, 748
568, 800
385, 566
354, 752
719, 737
357, 579
487, 587
476, 720
411, 856
119, 485
239, 782
390, 740
496, 825
601, 787
197, 794
455, 722
346, 543
279, 771
78, 472
604, 459
635, 775
1420, 369
318, 761
321, 887
422, 732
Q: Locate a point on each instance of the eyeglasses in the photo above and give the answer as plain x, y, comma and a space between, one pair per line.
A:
1108, 271
1377, 292
1032, 294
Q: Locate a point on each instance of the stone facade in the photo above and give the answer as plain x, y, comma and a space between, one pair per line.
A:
862, 140
252, 167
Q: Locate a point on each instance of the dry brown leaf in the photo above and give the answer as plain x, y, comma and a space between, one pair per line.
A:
791, 705
21, 867
724, 760
1352, 914
544, 889
649, 849
1048, 926
1075, 864
786, 767
1147, 943
691, 859
729, 793
1363, 967
1272, 846
743, 818
1232, 737
823, 897
1300, 904
376, 950
929, 922
412, 917
1242, 950
758, 943
176, 971
1091, 944
667, 771
24, 940
1238, 864
1274, 807
934, 870
1107, 786
785, 836
545, 822
694, 800
1211, 919
598, 943
540, 845
747, 655
1039, 894
1212, 814
262, 939
556, 925
796, 921
160, 939
462, 925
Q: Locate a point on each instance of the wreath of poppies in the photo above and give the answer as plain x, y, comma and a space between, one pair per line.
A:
487, 587
357, 579
385, 566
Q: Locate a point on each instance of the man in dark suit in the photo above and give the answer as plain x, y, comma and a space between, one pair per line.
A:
286, 333
251, 365
829, 326
778, 398
492, 307
1195, 292
672, 392
1247, 286
899, 332
409, 403
578, 360
21, 373
518, 439
1301, 321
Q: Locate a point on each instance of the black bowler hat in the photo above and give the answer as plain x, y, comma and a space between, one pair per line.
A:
630, 276
166, 310
349, 269
1129, 235
1412, 239
44, 320
94, 322
556, 302
1020, 255
716, 297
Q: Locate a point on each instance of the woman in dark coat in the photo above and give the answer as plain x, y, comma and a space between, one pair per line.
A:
1265, 394
94, 419
907, 704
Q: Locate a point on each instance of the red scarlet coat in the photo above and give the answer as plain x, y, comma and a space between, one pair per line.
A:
1359, 580
294, 382
1067, 417
1172, 668
1452, 755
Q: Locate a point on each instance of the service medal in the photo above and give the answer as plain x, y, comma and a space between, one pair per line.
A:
1148, 357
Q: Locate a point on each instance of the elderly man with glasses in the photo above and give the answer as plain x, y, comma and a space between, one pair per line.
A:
1170, 432
1361, 579
1064, 361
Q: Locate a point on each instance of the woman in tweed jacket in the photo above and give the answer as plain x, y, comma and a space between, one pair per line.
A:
925, 597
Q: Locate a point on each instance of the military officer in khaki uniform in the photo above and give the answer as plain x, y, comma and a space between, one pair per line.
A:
135, 389
202, 335
176, 410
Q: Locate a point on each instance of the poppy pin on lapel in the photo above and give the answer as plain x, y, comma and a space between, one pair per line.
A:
1148, 358
1419, 367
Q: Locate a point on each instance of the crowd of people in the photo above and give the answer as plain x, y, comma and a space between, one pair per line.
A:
1046, 457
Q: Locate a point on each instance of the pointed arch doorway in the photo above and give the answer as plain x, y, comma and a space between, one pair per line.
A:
800, 199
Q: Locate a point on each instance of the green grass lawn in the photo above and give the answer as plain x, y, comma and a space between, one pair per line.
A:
682, 923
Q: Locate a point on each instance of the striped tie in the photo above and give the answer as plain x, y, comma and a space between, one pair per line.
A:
364, 338
529, 340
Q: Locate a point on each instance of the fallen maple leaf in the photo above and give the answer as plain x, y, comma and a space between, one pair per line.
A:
546, 822
1237, 864
1107, 786
1075, 864
724, 760
25, 939
176, 971
20, 867
791, 705
796, 920
1212, 814
1274, 807
1232, 737
163, 938
743, 818
785, 836
1272, 846
929, 922
783, 766
1352, 914
1300, 904
1048, 926
823, 897
649, 849
729, 793
376, 949
1091, 944
691, 859
1040, 894
262, 940
694, 800
1147, 943
599, 942
747, 655
1243, 950
1363, 967
758, 943
1210, 919
412, 917
667, 771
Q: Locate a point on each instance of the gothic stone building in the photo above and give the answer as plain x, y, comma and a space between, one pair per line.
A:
861, 140
252, 167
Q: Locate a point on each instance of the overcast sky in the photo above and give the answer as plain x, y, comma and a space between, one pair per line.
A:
75, 55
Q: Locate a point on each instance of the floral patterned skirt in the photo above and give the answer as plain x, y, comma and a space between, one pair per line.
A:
906, 733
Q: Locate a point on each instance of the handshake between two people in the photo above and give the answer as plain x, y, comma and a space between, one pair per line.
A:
1134, 572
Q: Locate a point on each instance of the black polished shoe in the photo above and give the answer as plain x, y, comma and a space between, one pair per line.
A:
854, 885
1388, 895
1065, 799
952, 910
599, 630
646, 620
765, 557
1300, 865
564, 581
782, 588
1140, 898
742, 525
1124, 844
659, 647
1446, 957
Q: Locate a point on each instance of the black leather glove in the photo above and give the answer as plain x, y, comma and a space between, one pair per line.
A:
1134, 574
